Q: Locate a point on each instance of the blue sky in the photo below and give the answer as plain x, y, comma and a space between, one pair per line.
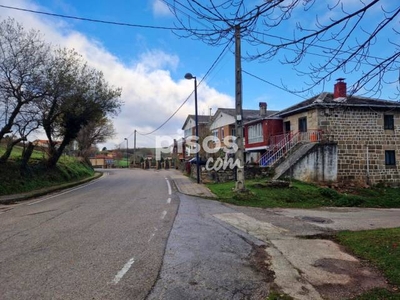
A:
149, 64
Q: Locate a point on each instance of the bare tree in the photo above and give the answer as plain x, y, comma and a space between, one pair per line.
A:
77, 95
329, 38
26, 122
96, 131
23, 55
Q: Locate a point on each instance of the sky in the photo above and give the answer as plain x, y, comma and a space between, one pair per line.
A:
149, 64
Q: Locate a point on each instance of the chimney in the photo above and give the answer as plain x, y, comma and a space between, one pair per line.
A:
263, 109
340, 89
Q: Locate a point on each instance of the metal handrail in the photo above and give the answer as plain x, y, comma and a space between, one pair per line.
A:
271, 156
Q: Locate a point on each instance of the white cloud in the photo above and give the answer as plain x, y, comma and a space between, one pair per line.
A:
160, 8
149, 93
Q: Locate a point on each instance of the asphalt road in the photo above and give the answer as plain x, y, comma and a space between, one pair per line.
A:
207, 258
103, 240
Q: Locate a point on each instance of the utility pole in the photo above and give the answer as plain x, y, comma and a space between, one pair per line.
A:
239, 186
134, 148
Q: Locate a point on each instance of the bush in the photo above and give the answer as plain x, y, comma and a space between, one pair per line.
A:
329, 193
349, 201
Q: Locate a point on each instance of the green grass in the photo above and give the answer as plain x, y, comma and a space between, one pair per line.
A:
121, 163
305, 195
378, 294
382, 248
37, 176
274, 295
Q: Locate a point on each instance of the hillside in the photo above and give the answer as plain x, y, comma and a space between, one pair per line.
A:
37, 175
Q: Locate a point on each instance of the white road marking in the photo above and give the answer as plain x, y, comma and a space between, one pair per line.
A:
164, 213
153, 234
169, 187
123, 271
66, 192
168, 200
151, 237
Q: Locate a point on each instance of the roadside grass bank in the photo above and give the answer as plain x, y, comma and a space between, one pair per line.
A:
382, 248
37, 175
304, 195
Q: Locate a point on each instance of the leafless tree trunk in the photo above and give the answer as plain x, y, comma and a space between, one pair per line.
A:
26, 156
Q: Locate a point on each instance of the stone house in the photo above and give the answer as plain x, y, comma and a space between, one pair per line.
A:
341, 138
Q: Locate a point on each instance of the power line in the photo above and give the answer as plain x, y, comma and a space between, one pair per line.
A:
174, 28
93, 20
205, 76
274, 85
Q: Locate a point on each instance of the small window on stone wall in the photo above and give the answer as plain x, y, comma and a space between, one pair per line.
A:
388, 122
390, 158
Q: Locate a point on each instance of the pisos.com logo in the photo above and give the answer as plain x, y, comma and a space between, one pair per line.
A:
210, 145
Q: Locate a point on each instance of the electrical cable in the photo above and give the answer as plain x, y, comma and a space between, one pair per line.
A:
198, 84
274, 85
92, 20
171, 28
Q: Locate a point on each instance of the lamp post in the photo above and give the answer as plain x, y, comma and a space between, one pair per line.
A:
189, 76
127, 160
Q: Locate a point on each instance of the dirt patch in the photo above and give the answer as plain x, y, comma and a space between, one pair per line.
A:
362, 278
260, 260
363, 275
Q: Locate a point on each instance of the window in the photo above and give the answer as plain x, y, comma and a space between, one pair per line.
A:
255, 133
215, 133
287, 126
390, 158
303, 124
222, 133
188, 132
233, 132
388, 122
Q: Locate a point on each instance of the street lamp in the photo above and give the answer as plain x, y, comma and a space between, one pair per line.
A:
189, 76
127, 160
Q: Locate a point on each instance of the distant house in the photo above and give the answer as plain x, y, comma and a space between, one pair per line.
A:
260, 131
179, 149
223, 123
103, 161
189, 127
43, 143
339, 138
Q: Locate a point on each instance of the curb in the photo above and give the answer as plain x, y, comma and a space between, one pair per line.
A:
11, 199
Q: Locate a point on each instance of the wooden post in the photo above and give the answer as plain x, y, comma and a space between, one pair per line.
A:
239, 112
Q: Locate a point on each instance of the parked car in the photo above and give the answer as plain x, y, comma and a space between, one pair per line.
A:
201, 162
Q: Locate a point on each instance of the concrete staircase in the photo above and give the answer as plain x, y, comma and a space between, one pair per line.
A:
291, 157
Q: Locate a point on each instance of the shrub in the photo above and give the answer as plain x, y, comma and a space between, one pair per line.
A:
329, 193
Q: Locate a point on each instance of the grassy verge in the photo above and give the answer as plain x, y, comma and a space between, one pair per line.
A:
37, 176
382, 248
304, 195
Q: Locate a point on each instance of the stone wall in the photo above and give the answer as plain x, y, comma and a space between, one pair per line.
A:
250, 172
358, 131
312, 120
